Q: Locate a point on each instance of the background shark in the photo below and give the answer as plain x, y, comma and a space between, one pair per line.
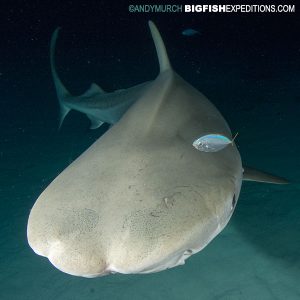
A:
100, 107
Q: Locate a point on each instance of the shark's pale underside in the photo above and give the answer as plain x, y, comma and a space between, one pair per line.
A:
100, 107
142, 198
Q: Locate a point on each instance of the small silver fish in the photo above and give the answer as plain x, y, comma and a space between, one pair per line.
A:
212, 142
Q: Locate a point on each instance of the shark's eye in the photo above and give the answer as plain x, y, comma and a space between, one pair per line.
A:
233, 202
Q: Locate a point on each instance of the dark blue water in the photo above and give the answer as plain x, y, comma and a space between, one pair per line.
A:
247, 65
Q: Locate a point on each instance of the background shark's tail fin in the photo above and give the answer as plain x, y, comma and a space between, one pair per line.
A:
61, 91
164, 63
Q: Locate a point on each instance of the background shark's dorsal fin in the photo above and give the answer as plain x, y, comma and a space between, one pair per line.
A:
93, 90
164, 63
251, 174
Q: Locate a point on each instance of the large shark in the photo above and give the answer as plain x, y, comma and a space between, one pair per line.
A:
142, 198
100, 107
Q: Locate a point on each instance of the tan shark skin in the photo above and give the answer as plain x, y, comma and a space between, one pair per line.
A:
141, 199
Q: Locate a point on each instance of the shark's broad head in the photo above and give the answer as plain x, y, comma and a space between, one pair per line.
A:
142, 198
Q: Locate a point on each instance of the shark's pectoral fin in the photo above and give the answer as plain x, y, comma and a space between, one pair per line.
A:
251, 174
95, 123
92, 91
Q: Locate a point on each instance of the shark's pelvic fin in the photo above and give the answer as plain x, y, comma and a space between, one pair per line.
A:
92, 91
251, 174
95, 123
61, 91
164, 63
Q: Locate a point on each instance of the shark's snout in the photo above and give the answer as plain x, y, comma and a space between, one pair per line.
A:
138, 209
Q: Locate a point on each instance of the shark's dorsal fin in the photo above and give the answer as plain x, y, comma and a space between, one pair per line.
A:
251, 174
93, 90
164, 63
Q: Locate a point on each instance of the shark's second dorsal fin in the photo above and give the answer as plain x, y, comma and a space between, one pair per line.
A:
164, 63
93, 90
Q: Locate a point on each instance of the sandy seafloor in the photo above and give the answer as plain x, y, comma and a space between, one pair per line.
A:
257, 256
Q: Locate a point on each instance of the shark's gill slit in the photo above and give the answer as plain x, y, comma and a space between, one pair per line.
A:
233, 202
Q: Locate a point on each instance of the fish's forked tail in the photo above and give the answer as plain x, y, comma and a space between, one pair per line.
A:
61, 91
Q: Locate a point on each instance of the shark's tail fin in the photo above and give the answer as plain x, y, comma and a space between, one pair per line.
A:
61, 91
164, 63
